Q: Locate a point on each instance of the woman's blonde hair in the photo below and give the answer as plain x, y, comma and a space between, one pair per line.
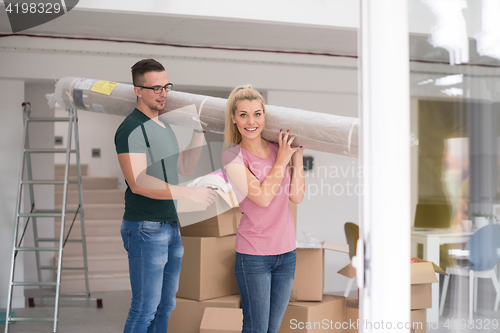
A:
245, 92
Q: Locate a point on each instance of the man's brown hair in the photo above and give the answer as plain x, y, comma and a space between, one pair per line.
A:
142, 67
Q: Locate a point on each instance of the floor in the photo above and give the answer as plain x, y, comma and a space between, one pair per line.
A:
110, 319
79, 318
456, 311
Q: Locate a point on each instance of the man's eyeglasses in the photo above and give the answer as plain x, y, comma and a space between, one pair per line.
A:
159, 89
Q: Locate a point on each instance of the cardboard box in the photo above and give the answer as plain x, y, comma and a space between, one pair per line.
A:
221, 225
417, 317
309, 275
191, 212
351, 314
207, 268
315, 316
197, 220
218, 320
423, 274
187, 315
310, 272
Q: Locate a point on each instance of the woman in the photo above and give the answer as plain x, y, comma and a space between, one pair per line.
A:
264, 181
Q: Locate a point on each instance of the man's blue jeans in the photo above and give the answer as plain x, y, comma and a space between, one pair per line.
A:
265, 284
154, 255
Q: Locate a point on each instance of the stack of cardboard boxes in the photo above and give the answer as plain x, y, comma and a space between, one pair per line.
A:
423, 275
309, 309
208, 300
207, 276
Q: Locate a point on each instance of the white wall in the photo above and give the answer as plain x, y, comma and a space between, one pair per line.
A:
30, 58
11, 129
331, 197
95, 131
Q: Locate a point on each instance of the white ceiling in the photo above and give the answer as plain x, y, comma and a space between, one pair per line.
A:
223, 33
197, 32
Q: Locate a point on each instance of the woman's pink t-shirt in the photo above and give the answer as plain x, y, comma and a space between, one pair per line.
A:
263, 230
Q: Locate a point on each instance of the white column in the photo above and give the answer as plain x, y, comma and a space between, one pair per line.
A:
11, 131
385, 206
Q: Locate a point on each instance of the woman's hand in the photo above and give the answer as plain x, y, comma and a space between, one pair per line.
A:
285, 150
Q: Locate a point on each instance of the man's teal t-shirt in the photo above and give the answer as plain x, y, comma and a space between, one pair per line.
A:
139, 134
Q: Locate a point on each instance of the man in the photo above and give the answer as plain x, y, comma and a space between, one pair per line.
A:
150, 158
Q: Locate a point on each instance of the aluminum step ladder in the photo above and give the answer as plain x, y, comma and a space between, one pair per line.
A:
54, 297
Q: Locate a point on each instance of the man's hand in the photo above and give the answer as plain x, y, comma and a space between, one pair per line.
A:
202, 195
134, 168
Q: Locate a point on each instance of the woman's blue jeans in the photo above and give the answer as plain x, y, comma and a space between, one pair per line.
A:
154, 256
265, 284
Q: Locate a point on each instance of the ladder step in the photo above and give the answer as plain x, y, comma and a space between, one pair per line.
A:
68, 211
48, 181
63, 268
49, 119
30, 319
47, 213
47, 150
40, 215
72, 240
36, 249
53, 268
33, 284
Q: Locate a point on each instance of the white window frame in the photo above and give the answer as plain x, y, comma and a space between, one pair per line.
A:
385, 158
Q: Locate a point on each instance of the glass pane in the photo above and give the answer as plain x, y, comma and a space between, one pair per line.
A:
455, 94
